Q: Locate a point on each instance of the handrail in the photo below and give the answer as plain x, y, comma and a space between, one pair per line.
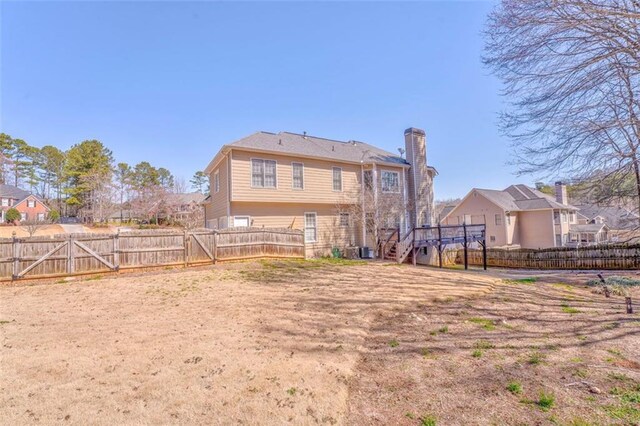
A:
404, 247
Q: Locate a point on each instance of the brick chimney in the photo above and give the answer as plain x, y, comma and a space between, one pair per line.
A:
420, 181
561, 193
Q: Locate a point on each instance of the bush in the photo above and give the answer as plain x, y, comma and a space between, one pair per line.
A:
12, 215
616, 280
54, 215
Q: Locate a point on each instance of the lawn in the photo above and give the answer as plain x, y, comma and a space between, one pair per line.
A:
315, 342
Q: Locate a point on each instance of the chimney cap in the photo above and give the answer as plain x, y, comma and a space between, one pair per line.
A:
414, 130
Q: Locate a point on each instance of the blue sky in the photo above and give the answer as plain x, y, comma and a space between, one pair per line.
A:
170, 82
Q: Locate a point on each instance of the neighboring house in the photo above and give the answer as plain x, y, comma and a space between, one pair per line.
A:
614, 223
518, 216
29, 206
339, 193
183, 205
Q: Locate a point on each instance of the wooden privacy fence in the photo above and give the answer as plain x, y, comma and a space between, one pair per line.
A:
597, 257
69, 254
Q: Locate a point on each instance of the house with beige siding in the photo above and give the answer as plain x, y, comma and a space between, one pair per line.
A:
340, 193
518, 216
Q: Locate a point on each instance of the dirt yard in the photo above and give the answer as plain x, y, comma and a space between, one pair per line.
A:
316, 342
6, 231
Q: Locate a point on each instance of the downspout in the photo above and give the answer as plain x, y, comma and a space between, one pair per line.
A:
404, 201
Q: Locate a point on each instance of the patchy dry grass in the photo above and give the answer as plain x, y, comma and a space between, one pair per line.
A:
535, 351
317, 342
273, 342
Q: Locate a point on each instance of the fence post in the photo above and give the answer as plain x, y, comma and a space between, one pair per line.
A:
215, 246
16, 257
186, 248
116, 250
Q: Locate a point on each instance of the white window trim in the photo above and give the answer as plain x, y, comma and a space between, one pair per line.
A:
383, 171
315, 215
332, 179
216, 181
251, 173
497, 218
242, 217
292, 176
340, 219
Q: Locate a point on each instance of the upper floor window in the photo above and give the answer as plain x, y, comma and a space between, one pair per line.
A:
337, 179
263, 173
556, 217
297, 170
216, 181
390, 181
5, 202
31, 203
498, 219
508, 219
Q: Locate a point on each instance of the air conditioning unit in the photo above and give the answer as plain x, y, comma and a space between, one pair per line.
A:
366, 253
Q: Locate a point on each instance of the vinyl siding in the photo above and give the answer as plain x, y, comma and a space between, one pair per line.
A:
218, 205
536, 229
291, 215
481, 210
318, 180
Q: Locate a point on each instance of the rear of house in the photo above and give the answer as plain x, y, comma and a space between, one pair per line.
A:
337, 192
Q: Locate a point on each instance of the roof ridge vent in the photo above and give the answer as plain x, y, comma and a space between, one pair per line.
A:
304, 134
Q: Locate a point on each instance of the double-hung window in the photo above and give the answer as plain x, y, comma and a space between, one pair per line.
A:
310, 227
31, 203
297, 170
263, 173
344, 219
498, 219
390, 181
5, 202
337, 179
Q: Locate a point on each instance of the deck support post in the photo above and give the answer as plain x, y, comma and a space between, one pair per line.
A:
439, 245
484, 251
466, 252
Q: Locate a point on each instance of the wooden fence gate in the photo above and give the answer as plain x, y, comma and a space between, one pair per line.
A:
72, 254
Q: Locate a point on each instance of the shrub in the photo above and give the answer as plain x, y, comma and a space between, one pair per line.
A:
12, 215
616, 280
54, 215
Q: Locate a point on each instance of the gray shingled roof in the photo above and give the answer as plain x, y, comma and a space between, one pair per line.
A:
312, 146
591, 227
10, 191
522, 197
615, 217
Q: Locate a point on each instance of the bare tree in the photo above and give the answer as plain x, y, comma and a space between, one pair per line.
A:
192, 219
571, 70
374, 213
32, 225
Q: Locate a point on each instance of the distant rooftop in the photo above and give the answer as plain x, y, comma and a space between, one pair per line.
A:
521, 197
